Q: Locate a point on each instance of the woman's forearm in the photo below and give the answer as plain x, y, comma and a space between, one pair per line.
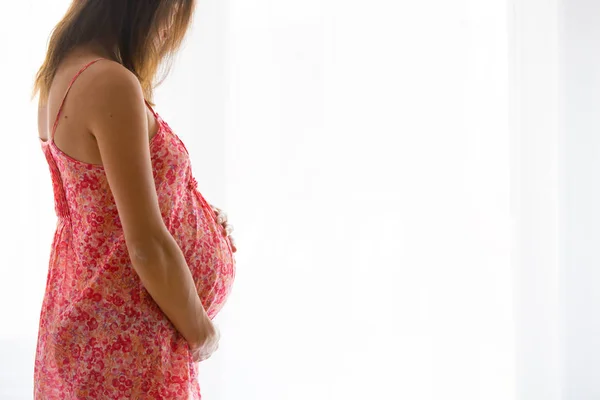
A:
164, 273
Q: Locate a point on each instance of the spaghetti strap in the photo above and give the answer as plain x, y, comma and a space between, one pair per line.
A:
51, 138
152, 110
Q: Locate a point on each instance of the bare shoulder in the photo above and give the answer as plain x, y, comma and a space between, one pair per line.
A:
112, 84
116, 98
111, 74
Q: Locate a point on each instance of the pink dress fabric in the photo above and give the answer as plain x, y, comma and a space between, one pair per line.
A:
101, 335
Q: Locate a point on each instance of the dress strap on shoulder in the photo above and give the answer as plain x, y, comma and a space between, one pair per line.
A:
151, 109
62, 103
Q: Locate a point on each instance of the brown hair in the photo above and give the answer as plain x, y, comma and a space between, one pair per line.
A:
129, 30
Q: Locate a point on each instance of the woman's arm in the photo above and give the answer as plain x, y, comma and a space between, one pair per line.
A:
118, 121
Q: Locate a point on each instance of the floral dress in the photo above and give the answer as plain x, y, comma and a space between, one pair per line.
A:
101, 335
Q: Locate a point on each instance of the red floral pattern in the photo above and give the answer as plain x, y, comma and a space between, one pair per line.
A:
101, 335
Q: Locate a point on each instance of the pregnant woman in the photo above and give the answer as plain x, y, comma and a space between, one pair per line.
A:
140, 262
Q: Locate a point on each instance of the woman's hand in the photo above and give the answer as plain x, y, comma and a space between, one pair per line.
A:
207, 344
222, 219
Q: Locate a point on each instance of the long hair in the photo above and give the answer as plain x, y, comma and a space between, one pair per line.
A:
139, 34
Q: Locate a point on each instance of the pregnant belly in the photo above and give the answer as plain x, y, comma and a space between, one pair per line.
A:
213, 270
209, 256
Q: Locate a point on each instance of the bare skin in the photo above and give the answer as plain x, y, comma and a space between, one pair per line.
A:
113, 128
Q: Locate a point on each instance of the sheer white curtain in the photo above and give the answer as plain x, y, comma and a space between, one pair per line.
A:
555, 193
579, 41
534, 27
364, 155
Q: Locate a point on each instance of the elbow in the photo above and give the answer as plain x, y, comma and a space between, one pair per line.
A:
150, 252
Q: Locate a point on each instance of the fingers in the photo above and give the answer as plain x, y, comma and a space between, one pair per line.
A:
222, 217
203, 354
205, 351
222, 220
196, 357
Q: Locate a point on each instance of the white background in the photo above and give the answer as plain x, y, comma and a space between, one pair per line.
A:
363, 153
